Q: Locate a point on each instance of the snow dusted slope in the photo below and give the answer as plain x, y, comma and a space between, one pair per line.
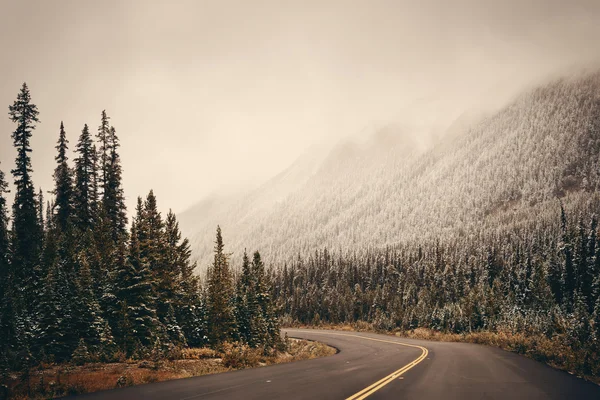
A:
510, 168
200, 221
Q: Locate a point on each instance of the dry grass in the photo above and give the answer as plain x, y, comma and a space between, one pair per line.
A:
50, 381
555, 351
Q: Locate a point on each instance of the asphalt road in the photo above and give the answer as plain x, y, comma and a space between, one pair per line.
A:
378, 367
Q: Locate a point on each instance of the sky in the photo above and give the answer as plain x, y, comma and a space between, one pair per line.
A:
213, 96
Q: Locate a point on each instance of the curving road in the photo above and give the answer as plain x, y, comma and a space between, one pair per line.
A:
378, 367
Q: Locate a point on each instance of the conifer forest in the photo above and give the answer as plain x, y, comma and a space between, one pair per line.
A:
79, 283
392, 198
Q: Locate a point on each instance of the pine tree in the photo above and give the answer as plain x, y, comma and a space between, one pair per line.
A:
104, 150
154, 251
112, 206
26, 231
138, 322
95, 187
63, 183
150, 232
187, 301
85, 182
90, 325
246, 303
220, 296
113, 199
265, 304
56, 326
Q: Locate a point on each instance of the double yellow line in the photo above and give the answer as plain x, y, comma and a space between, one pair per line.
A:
384, 381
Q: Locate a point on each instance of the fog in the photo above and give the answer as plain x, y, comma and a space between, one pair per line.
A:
218, 96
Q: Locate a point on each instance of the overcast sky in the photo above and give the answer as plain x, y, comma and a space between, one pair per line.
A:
216, 95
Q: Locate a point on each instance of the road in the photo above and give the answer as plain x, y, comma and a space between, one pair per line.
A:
378, 367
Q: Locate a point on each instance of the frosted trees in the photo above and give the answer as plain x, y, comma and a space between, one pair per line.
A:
85, 182
138, 322
26, 231
255, 314
220, 296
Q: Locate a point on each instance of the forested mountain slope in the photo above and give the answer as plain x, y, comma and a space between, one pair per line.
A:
506, 170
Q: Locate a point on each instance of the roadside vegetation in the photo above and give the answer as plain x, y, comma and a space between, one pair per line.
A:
88, 301
555, 351
56, 380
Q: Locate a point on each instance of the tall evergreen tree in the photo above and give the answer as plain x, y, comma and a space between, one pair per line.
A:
63, 183
85, 181
246, 306
104, 150
268, 324
220, 296
90, 324
154, 251
56, 335
26, 231
152, 244
187, 302
138, 323
113, 199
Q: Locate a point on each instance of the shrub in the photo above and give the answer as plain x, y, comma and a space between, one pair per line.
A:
199, 353
81, 355
236, 355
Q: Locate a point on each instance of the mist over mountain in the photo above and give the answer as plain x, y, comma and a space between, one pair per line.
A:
489, 172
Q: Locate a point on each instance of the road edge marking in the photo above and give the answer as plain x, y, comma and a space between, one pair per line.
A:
369, 390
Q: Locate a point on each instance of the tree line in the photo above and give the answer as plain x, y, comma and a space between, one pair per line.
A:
537, 280
76, 282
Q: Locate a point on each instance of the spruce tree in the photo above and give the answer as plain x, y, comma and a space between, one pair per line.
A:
187, 301
104, 150
138, 322
56, 337
154, 251
113, 199
220, 297
246, 304
95, 187
267, 315
63, 183
26, 230
150, 232
89, 322
85, 182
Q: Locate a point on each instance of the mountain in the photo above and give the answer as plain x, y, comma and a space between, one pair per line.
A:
503, 171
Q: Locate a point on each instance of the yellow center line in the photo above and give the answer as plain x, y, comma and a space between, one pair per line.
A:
369, 390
